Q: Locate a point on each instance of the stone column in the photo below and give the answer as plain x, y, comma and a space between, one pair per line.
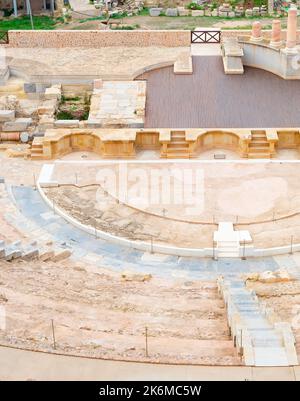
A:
276, 34
291, 38
15, 7
52, 6
256, 35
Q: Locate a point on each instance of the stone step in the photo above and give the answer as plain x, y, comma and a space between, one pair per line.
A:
256, 155
261, 145
172, 155
259, 149
180, 149
228, 254
270, 356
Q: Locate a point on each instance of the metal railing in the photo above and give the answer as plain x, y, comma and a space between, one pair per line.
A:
206, 36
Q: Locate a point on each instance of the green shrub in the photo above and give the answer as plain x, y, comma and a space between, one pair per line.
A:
195, 6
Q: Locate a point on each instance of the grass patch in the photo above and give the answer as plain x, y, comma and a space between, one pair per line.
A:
126, 27
23, 23
64, 115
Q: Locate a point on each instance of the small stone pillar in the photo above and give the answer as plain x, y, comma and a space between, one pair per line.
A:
291, 39
276, 34
256, 35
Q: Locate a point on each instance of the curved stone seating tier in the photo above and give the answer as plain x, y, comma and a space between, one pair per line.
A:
36, 218
23, 239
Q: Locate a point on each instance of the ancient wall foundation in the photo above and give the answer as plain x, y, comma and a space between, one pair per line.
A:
97, 39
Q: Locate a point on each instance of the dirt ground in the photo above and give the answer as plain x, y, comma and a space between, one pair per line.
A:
155, 23
98, 313
284, 298
262, 198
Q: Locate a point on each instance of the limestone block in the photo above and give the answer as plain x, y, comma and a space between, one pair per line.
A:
7, 115
184, 64
66, 124
155, 12
47, 107
197, 13
172, 12
256, 12
249, 12
223, 13
52, 93
214, 13
61, 255
207, 13
46, 122
29, 87
20, 124
46, 254
183, 12
231, 14
30, 254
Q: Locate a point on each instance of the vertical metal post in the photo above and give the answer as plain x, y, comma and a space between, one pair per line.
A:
151, 245
146, 341
53, 334
244, 250
292, 240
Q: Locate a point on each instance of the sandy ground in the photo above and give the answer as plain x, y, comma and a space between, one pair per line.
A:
147, 22
261, 197
97, 313
285, 299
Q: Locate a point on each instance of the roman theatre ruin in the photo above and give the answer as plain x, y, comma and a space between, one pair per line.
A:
152, 181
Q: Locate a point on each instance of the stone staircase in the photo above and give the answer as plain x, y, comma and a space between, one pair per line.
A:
31, 251
230, 243
259, 336
37, 148
178, 148
259, 147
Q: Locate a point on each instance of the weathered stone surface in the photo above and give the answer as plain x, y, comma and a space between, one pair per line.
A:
20, 124
183, 12
197, 13
172, 12
155, 12
47, 107
7, 115
29, 87
61, 255
66, 123
52, 93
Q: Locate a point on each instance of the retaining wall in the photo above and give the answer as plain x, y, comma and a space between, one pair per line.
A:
97, 39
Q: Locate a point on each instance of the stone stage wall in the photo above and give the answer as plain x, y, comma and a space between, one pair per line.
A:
97, 39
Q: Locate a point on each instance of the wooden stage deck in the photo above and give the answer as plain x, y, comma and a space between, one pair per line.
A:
211, 99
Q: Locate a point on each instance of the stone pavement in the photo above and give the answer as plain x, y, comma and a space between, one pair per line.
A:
18, 364
37, 220
107, 62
